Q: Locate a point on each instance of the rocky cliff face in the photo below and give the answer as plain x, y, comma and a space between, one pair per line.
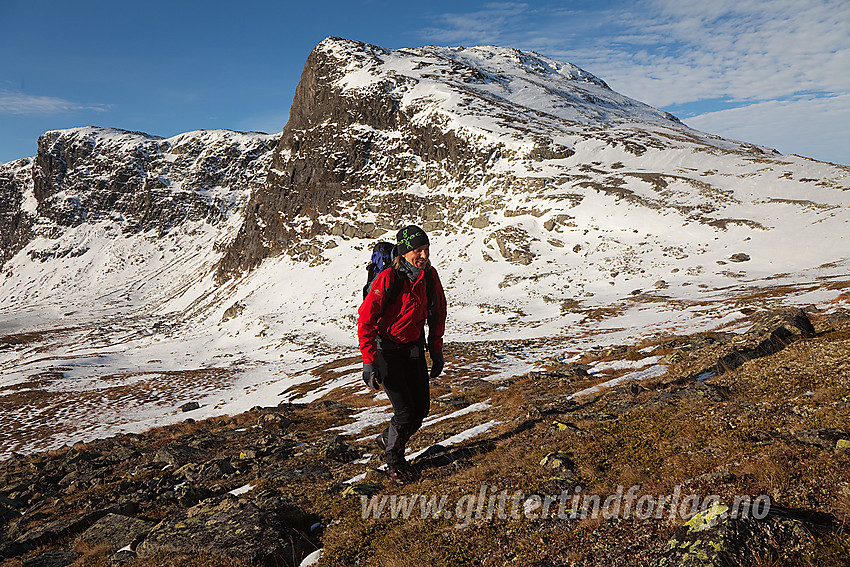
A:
15, 221
143, 183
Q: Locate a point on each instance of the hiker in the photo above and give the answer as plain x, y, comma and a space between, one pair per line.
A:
391, 331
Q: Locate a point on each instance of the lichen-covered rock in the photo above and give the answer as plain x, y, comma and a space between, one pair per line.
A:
205, 472
274, 421
713, 538
362, 489
826, 438
189, 495
51, 531
116, 531
176, 454
227, 526
559, 463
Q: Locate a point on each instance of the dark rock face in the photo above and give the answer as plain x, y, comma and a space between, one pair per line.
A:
78, 177
15, 224
7, 514
144, 182
337, 145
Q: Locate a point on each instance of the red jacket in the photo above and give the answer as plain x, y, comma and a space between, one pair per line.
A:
402, 321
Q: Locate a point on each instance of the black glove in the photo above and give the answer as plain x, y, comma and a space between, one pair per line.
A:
437, 364
372, 377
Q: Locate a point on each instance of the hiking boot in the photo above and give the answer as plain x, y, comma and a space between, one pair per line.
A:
411, 471
400, 475
381, 442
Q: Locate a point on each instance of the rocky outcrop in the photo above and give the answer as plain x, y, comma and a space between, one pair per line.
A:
339, 145
227, 527
115, 531
153, 496
15, 222
153, 183
771, 332
722, 537
144, 183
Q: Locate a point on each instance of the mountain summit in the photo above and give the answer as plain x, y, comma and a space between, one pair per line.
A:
550, 189
461, 120
555, 207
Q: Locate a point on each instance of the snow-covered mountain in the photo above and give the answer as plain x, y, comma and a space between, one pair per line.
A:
139, 271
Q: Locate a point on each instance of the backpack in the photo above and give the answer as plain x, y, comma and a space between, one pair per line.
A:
383, 254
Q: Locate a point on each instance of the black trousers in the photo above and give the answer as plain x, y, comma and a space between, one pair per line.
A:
405, 375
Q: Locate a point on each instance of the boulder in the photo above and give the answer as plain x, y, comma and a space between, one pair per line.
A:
188, 495
713, 538
560, 464
229, 527
838, 317
336, 448
770, 333
206, 472
826, 438
51, 531
116, 531
274, 421
176, 455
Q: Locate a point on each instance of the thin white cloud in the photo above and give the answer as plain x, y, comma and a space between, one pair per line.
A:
739, 49
479, 27
20, 103
742, 49
819, 125
755, 53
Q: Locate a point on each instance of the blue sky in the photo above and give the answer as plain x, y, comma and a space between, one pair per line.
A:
772, 72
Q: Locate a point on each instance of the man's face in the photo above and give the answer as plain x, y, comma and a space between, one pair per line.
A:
418, 256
